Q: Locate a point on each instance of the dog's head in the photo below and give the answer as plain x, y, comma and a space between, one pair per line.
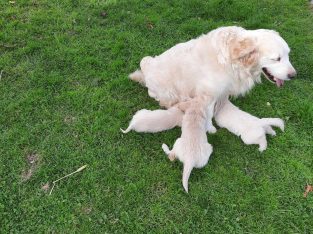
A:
267, 51
274, 57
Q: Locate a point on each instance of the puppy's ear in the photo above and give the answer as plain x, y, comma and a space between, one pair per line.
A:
244, 50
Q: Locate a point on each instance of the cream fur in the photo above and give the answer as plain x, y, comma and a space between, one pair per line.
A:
155, 121
227, 61
192, 148
251, 129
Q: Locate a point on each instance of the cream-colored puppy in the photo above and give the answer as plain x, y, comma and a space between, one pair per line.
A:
155, 121
251, 129
192, 148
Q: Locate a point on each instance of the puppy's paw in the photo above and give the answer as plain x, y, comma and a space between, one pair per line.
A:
211, 129
171, 156
262, 147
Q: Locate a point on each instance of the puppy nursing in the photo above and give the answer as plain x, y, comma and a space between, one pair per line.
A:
251, 129
155, 121
192, 148
227, 61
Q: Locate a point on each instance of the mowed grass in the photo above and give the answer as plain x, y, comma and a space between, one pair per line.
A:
64, 94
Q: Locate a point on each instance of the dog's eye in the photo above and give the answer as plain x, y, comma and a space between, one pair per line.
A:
276, 59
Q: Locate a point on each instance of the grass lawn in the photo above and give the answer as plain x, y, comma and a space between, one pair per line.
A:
64, 94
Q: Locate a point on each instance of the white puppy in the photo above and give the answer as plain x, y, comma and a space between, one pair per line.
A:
155, 121
192, 148
251, 129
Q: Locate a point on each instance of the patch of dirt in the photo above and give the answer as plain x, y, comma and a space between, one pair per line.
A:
69, 119
103, 14
33, 162
150, 25
45, 187
159, 189
86, 210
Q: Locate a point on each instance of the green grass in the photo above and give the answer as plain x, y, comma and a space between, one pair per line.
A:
65, 94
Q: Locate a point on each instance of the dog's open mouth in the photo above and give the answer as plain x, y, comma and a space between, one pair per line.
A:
271, 78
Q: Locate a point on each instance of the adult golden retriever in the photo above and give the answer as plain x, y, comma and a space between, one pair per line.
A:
227, 61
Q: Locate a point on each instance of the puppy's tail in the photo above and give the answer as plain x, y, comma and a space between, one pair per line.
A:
186, 173
166, 149
138, 77
276, 122
126, 130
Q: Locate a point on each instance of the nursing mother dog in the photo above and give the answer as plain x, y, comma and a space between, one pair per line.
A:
227, 61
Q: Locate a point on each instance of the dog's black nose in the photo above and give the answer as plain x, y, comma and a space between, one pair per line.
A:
292, 75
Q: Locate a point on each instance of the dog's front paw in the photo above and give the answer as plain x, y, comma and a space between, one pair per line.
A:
270, 130
281, 124
211, 129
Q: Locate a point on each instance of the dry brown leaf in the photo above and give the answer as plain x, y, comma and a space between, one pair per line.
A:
308, 188
150, 26
103, 14
32, 161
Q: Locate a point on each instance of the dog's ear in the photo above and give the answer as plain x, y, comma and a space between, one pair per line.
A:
244, 50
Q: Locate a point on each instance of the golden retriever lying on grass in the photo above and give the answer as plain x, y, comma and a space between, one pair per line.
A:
225, 62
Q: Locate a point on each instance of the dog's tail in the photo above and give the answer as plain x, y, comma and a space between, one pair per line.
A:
126, 130
138, 77
186, 173
276, 122
166, 149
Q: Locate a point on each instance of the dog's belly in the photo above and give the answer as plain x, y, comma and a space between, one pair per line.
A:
174, 77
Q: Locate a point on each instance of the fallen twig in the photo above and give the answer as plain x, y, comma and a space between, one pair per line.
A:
8, 46
78, 170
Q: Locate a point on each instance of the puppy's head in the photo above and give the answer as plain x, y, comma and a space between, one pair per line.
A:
274, 57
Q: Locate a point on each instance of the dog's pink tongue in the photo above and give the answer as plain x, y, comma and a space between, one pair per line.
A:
279, 82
